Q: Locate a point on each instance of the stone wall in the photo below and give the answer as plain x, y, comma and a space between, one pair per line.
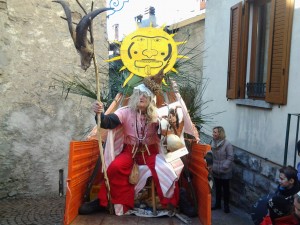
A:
253, 177
37, 122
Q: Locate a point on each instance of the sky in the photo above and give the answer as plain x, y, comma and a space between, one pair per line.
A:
166, 11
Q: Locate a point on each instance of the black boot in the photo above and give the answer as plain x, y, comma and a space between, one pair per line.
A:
90, 207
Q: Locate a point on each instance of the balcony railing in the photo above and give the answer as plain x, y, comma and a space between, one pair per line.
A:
256, 90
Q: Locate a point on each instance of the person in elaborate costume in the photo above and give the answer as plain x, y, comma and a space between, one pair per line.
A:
138, 124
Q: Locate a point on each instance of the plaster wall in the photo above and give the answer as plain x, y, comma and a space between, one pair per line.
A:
257, 130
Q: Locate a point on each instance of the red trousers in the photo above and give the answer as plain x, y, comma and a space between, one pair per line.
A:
121, 191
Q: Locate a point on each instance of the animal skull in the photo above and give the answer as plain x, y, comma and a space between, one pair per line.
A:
79, 36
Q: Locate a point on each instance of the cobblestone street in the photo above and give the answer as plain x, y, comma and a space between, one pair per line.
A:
50, 210
32, 211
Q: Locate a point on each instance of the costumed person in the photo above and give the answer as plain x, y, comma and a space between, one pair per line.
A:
137, 128
222, 167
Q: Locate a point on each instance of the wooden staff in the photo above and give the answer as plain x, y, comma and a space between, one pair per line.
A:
110, 206
100, 139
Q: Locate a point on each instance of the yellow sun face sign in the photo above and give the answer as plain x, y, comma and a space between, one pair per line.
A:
147, 50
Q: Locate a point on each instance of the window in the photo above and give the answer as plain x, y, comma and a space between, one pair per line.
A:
259, 47
256, 87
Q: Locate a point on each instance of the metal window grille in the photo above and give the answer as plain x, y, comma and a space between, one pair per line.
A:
256, 90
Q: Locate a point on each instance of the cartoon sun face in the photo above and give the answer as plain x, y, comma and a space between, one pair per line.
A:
146, 51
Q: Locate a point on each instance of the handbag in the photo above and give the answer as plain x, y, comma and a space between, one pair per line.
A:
134, 174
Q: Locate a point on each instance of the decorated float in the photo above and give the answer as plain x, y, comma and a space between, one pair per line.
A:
149, 55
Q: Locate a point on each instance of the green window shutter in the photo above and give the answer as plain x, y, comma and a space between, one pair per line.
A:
279, 51
234, 51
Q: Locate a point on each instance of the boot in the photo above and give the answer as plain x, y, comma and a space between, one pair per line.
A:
90, 207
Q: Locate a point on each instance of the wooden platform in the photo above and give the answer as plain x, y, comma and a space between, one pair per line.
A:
103, 218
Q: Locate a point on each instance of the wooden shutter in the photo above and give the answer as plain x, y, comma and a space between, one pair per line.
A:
279, 51
244, 50
234, 50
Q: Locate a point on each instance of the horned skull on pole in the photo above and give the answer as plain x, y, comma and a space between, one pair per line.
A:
79, 35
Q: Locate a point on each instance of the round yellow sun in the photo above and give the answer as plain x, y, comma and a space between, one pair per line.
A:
146, 51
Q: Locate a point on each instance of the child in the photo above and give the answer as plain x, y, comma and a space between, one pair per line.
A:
288, 182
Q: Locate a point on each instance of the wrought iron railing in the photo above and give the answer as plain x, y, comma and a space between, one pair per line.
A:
256, 90
297, 117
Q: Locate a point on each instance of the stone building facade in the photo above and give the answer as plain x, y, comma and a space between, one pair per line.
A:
37, 121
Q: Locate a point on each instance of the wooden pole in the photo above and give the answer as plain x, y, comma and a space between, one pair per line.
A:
106, 180
100, 139
110, 206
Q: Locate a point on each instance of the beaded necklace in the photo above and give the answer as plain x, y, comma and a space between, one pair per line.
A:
140, 136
